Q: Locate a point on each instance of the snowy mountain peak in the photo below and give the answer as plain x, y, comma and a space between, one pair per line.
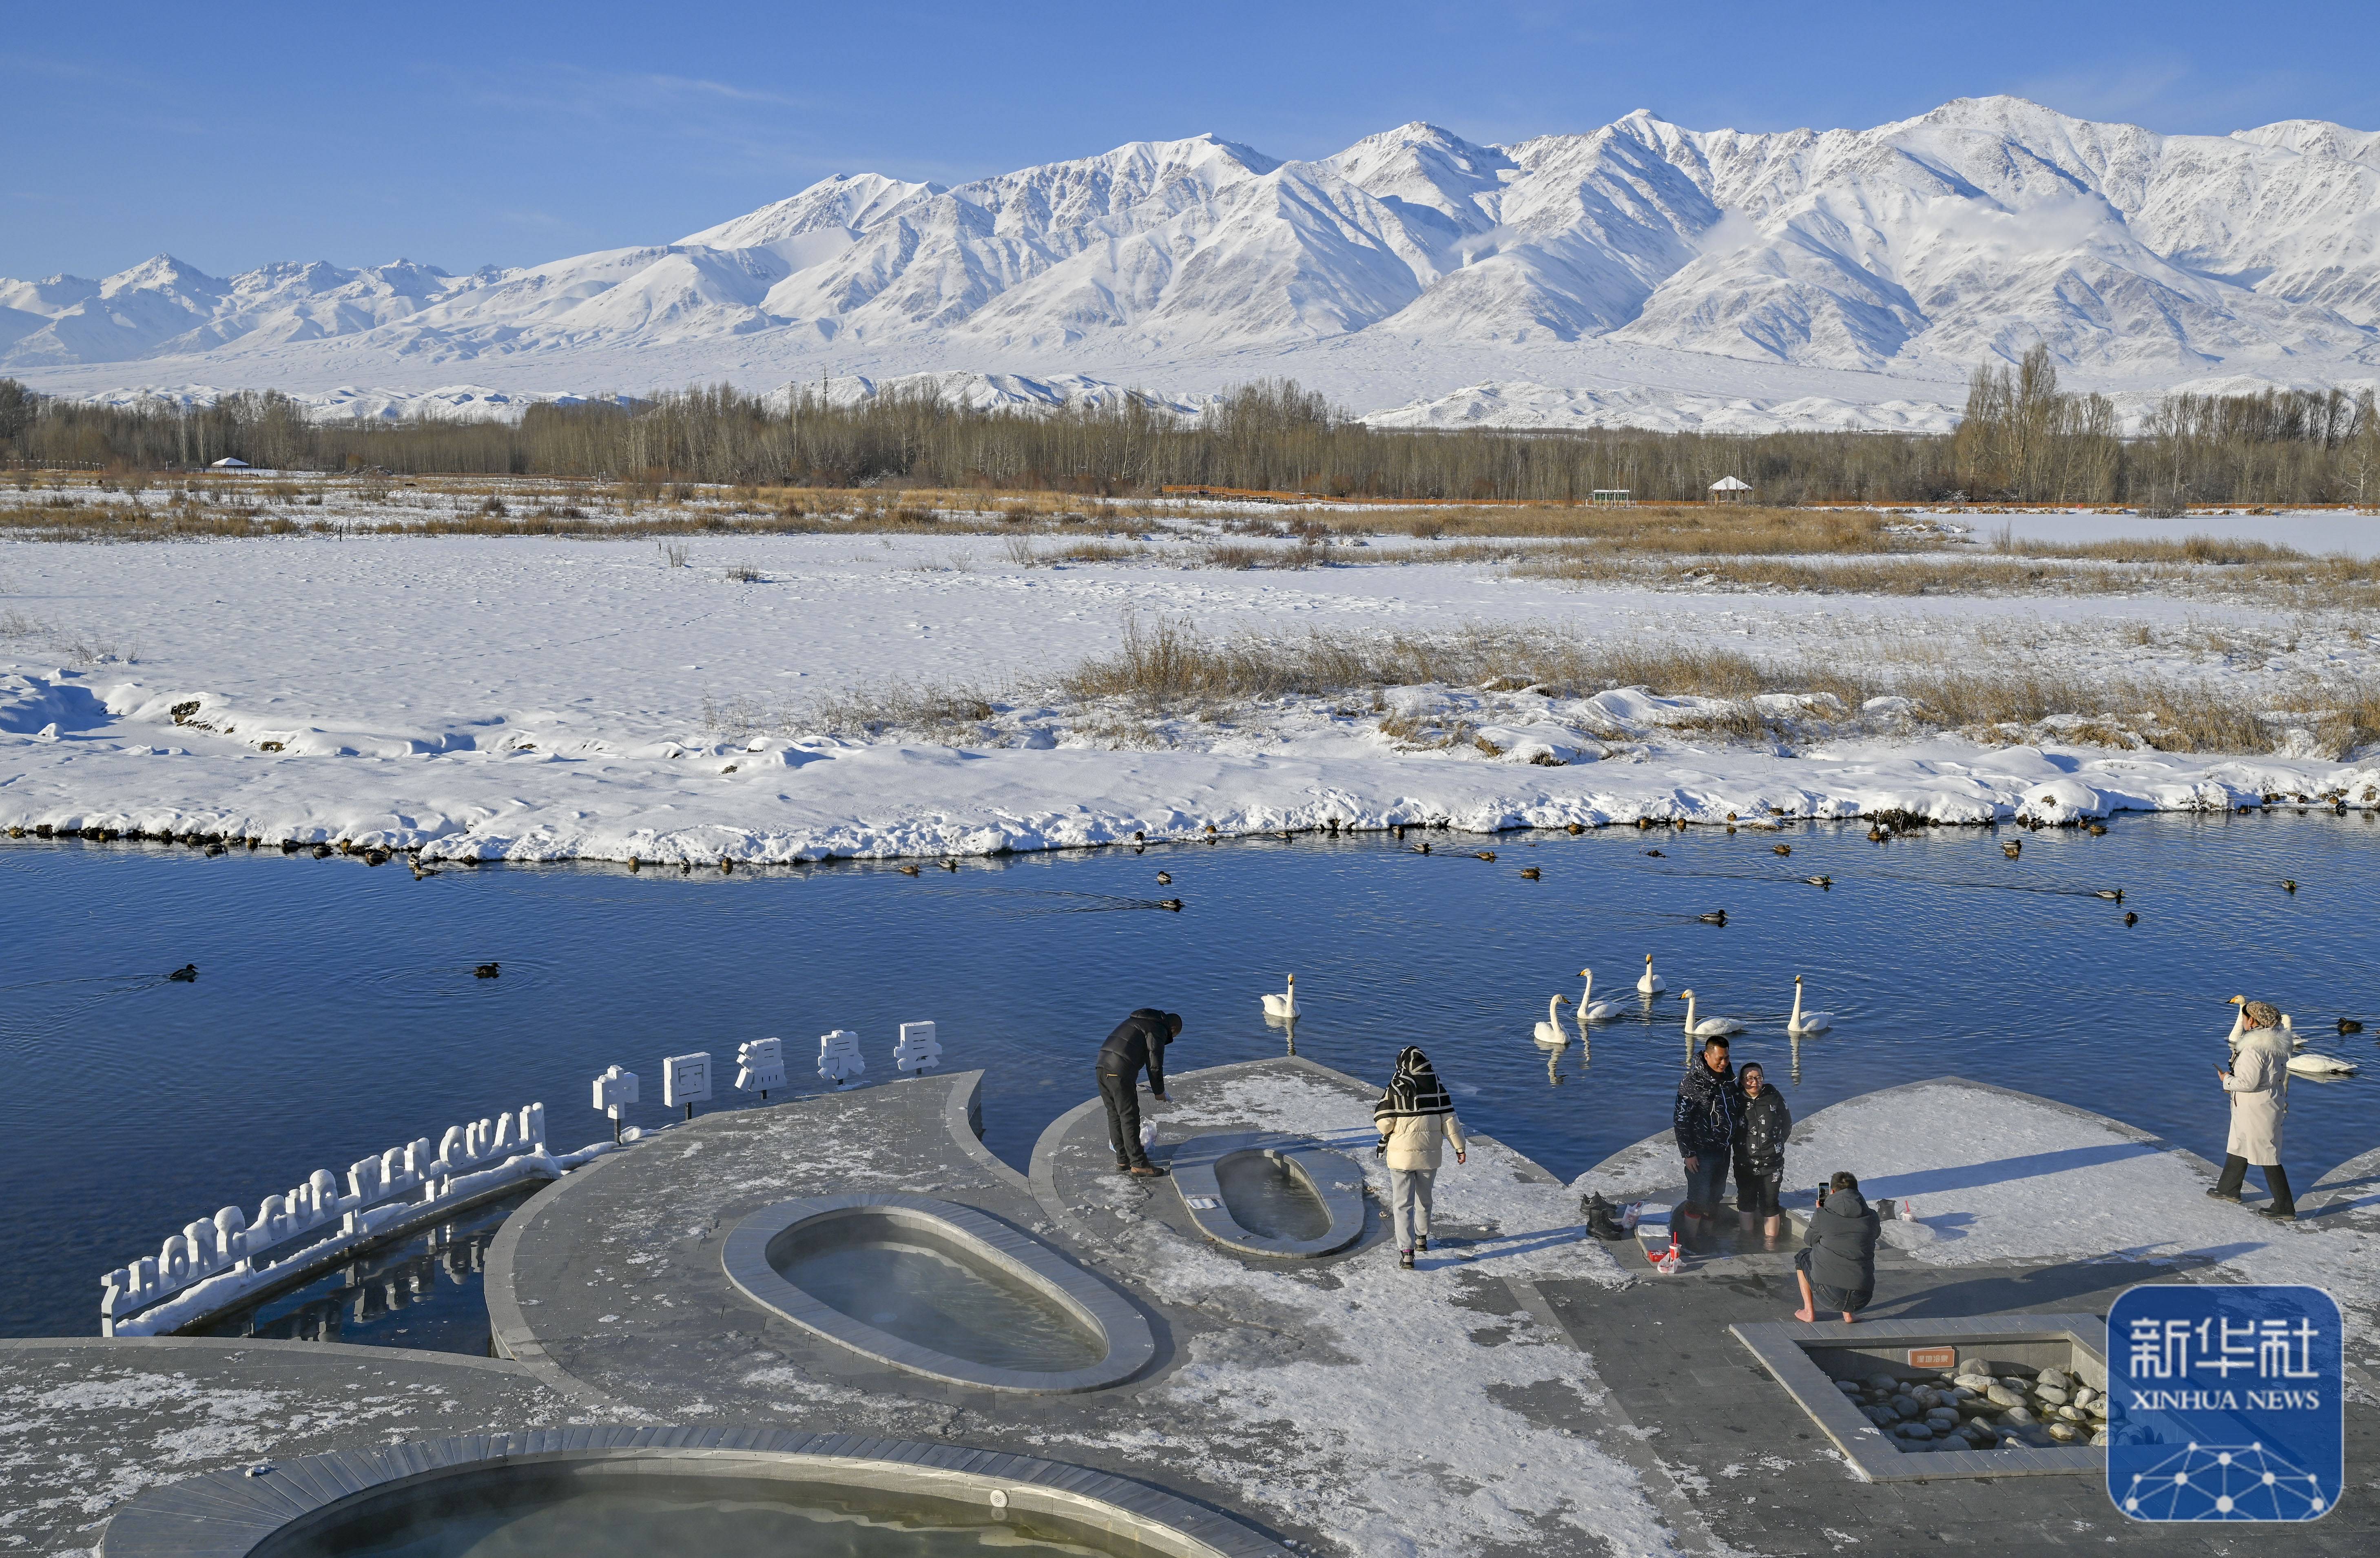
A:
1914, 248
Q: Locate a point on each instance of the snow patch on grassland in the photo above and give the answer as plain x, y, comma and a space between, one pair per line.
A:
539, 701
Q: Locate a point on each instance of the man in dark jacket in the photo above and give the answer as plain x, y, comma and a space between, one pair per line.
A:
1837, 1264
1138, 1042
1705, 1122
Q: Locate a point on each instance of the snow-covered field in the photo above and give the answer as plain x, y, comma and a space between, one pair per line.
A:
540, 698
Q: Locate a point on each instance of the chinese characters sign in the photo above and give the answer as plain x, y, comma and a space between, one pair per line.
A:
2225, 1403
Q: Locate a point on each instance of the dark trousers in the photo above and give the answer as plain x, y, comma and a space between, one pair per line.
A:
1122, 1095
2235, 1173
1706, 1186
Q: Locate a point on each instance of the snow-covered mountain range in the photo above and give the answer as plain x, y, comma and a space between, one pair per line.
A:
1845, 278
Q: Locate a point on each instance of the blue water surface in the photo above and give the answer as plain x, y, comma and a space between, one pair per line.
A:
336, 1012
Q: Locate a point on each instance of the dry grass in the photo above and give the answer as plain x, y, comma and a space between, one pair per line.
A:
2205, 549
1737, 528
2334, 582
1167, 665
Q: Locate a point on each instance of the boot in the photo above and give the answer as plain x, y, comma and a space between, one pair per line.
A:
2235, 1173
2283, 1207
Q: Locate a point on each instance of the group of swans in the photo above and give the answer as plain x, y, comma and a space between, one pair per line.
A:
1550, 1032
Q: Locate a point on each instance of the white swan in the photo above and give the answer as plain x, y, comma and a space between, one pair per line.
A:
2289, 1032
1652, 984
2238, 1023
1589, 1008
1803, 1022
1709, 1028
2308, 1063
1283, 1005
1551, 1030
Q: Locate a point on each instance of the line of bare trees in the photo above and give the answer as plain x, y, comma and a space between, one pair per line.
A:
2022, 439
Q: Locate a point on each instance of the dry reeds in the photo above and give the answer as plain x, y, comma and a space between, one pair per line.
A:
1167, 665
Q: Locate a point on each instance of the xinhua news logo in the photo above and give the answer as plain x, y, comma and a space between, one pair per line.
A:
2225, 1403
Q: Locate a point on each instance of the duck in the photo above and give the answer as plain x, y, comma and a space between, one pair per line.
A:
635, 865
1655, 855
2012, 848
1820, 881
948, 865
1483, 855
1283, 1005
1172, 904
486, 970
1652, 984
1782, 848
422, 872
1589, 1008
2349, 1025
1551, 1032
1876, 834
2113, 895
2288, 885
2311, 1065
1707, 1027
1165, 879
1422, 849
2131, 918
1716, 916
187, 974
1530, 873
1803, 1022
909, 870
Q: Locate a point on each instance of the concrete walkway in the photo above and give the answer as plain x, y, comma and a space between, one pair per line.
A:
1526, 1391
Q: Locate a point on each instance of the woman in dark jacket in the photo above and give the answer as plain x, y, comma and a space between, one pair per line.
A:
1762, 1123
1837, 1264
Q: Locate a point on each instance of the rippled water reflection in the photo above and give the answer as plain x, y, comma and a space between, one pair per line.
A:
336, 1012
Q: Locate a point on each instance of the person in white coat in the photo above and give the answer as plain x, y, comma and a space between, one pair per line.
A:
2258, 1082
1415, 1119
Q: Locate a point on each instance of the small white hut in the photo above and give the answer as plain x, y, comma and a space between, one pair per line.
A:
1729, 489
230, 463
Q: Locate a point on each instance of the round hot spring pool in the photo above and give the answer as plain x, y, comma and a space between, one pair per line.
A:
941, 1290
616, 1492
630, 1509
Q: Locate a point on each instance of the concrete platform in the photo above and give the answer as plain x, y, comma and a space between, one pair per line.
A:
1526, 1391
86, 1423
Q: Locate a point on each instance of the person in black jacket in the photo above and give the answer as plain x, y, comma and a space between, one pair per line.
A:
1761, 1126
1836, 1263
1705, 1122
1139, 1040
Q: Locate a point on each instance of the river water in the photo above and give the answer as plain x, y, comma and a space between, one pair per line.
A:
336, 1012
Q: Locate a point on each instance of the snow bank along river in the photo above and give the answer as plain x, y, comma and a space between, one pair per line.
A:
336, 1010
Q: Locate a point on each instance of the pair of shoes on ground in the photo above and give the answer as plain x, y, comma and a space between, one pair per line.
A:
1144, 1171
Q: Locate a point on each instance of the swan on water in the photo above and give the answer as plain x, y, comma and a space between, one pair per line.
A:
1652, 984
1551, 1030
2238, 1023
1589, 1008
1283, 1005
1708, 1027
1803, 1022
2308, 1063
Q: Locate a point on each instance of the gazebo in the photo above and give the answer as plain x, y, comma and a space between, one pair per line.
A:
230, 463
1729, 489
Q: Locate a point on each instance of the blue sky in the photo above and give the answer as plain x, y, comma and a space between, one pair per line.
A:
463, 136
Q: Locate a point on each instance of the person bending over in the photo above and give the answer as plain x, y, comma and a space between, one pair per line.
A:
1837, 1262
1137, 1043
